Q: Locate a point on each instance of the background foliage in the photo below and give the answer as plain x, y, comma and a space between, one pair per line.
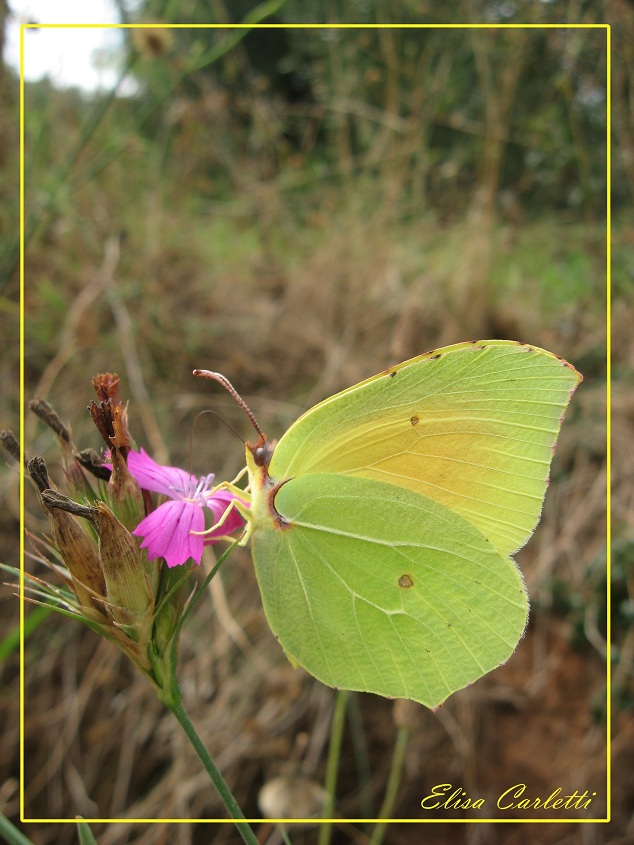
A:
299, 209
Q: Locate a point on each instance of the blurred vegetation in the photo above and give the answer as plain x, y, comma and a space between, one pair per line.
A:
298, 209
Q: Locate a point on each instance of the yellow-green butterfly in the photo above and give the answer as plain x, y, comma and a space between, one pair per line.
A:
383, 521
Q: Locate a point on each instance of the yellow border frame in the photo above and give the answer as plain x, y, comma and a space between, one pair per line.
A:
566, 820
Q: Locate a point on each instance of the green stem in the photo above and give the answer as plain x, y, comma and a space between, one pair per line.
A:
170, 694
396, 770
245, 831
332, 767
9, 833
364, 770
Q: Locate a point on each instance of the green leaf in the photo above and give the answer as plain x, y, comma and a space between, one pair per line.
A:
11, 641
85, 833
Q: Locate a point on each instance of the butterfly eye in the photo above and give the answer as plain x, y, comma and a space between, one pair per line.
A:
262, 452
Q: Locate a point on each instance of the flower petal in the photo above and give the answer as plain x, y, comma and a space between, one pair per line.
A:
167, 533
157, 478
218, 504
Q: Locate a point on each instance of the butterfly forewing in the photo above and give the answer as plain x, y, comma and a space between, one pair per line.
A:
471, 426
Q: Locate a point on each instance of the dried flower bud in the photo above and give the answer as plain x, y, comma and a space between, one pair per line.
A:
93, 462
10, 443
103, 415
72, 469
45, 411
77, 551
125, 494
106, 386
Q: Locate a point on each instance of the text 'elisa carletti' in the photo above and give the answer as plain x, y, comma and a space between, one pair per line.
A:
444, 796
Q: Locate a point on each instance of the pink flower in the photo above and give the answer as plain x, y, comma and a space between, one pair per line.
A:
167, 531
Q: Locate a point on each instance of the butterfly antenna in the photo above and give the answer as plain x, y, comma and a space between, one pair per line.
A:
231, 389
193, 431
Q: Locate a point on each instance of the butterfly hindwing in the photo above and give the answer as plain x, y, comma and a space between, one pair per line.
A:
374, 588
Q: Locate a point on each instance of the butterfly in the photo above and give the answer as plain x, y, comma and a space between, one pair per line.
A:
383, 523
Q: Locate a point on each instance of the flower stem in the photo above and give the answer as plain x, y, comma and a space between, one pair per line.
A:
175, 704
332, 767
396, 770
170, 694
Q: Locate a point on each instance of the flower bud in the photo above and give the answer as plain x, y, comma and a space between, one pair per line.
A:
125, 495
130, 601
